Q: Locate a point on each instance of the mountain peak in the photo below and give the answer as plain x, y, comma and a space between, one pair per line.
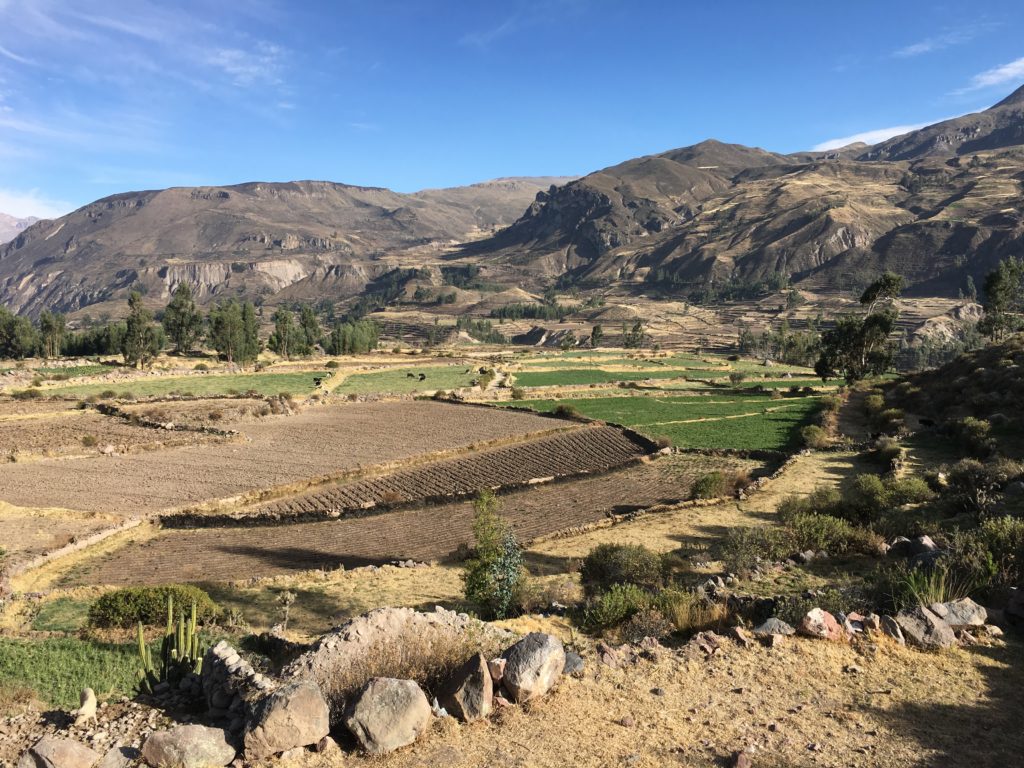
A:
1017, 97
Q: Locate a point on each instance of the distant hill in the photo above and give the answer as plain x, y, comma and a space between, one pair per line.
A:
938, 205
11, 226
320, 239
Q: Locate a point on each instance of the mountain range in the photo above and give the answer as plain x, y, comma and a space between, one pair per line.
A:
12, 226
940, 205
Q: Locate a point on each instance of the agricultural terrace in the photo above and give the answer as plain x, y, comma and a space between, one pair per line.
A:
730, 420
197, 384
405, 379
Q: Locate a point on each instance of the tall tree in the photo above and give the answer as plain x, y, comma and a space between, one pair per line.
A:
596, 334
52, 327
1004, 297
312, 334
227, 331
18, 337
250, 334
858, 346
143, 339
286, 338
182, 319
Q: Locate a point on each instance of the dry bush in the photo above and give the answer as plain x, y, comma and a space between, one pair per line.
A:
391, 497
689, 612
541, 595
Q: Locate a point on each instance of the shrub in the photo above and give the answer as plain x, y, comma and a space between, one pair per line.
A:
901, 585
518, 393
611, 608
27, 394
908, 490
831, 403
107, 394
663, 441
331, 364
815, 437
832, 600
649, 622
713, 485
866, 499
691, 612
494, 577
833, 534
200, 367
975, 486
974, 435
127, 606
564, 411
874, 403
89, 441
741, 549
737, 377
887, 452
440, 394
890, 421
609, 564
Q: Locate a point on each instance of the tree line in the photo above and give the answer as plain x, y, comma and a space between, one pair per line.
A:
230, 328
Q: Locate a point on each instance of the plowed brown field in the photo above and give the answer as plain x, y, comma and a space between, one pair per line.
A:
427, 533
576, 452
279, 451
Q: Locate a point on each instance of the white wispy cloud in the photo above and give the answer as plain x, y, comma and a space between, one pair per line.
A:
9, 54
21, 204
261, 65
870, 137
1011, 72
482, 38
945, 40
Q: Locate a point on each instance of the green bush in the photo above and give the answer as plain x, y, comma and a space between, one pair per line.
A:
127, 606
815, 437
331, 364
518, 393
975, 486
743, 548
609, 564
713, 485
832, 600
901, 585
494, 577
908, 490
887, 452
611, 608
833, 534
831, 403
974, 435
867, 498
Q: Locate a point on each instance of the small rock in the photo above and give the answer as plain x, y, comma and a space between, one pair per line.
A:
627, 721
821, 624
742, 760
497, 669
773, 626
740, 636
658, 691
574, 664
923, 545
891, 628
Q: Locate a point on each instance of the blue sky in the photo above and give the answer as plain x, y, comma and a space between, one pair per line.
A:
100, 97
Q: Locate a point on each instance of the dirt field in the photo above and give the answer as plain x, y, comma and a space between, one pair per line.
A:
429, 533
280, 450
223, 413
570, 453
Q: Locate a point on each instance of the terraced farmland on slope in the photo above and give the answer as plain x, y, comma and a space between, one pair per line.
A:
576, 452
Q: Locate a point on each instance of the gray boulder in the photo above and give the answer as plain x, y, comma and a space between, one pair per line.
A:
388, 714
295, 715
188, 746
773, 626
924, 629
469, 693
574, 664
533, 666
891, 628
899, 547
922, 545
55, 752
962, 613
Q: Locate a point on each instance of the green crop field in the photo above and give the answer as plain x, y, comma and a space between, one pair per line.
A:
732, 420
569, 376
203, 385
397, 380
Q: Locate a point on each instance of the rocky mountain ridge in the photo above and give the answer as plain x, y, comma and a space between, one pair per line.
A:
12, 226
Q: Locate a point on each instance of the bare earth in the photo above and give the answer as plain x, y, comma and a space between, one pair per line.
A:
280, 450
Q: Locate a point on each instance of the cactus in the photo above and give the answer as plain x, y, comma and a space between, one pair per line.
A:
180, 651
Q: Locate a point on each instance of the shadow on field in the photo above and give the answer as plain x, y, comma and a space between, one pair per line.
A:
976, 735
299, 558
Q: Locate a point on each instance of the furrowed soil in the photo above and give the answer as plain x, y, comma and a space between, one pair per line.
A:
577, 452
425, 534
278, 451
